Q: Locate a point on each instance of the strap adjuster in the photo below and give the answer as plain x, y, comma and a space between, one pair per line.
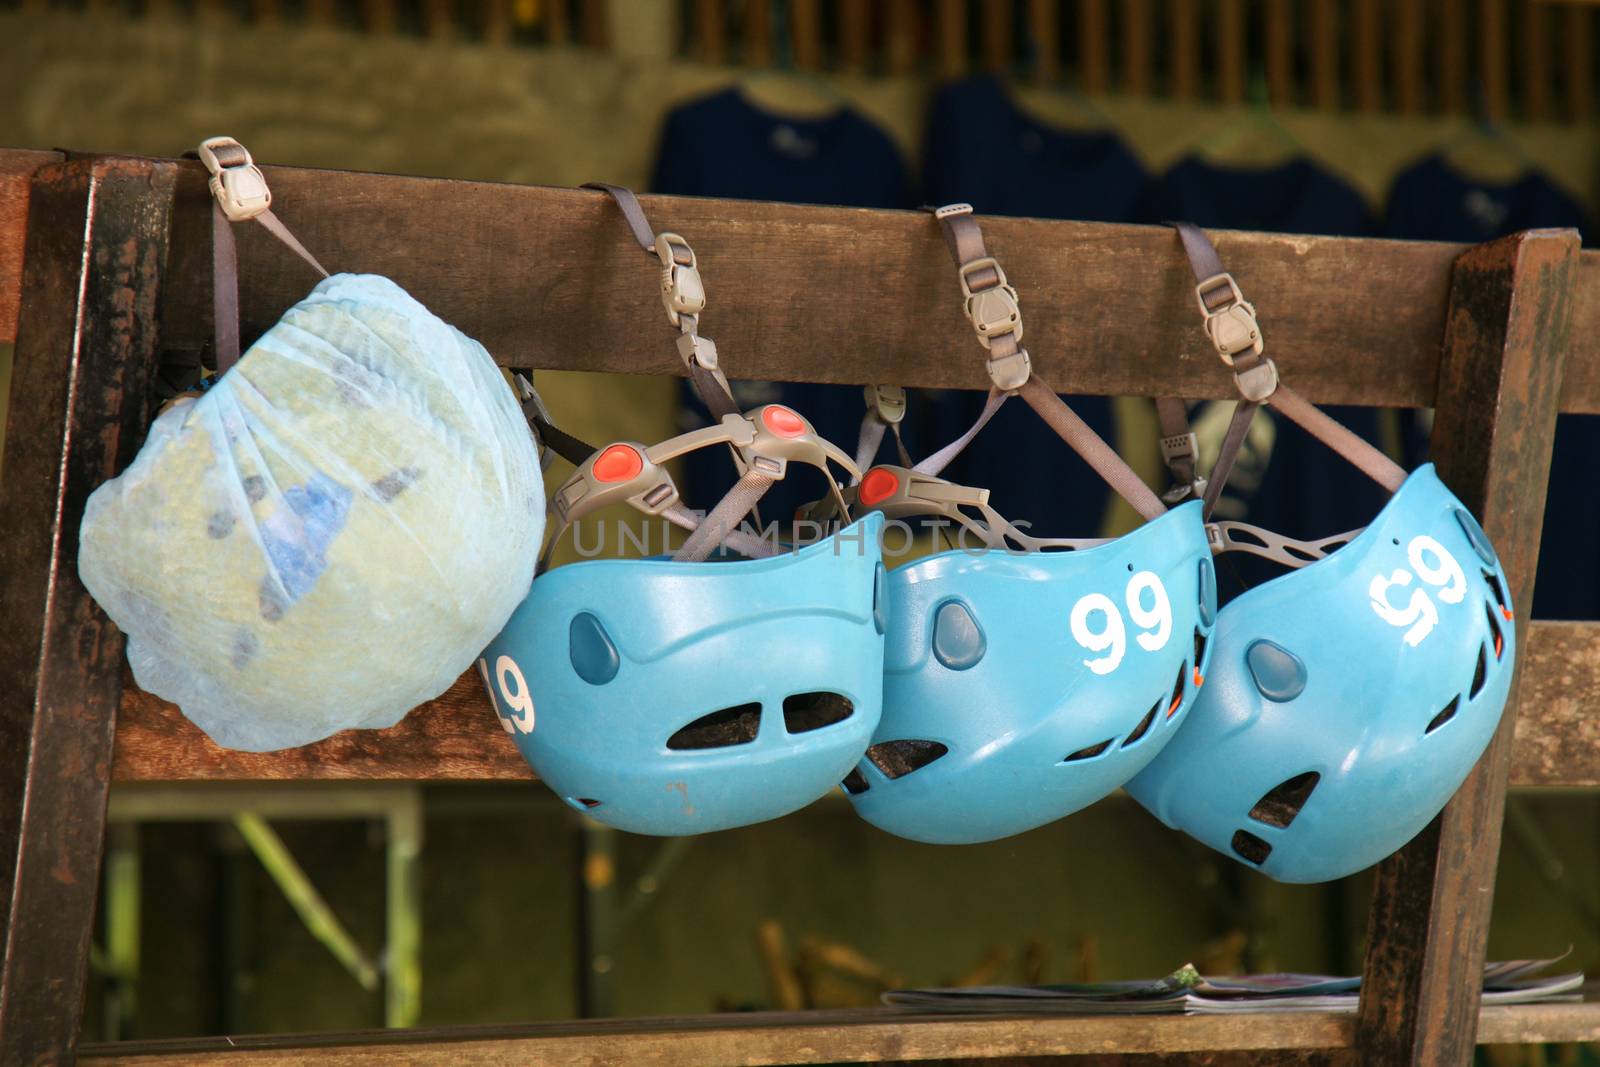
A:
236, 181
994, 310
1232, 326
682, 292
887, 403
1180, 446
1010, 373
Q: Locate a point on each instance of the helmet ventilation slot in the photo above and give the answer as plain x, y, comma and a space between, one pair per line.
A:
1177, 690
1493, 582
1091, 752
587, 802
1199, 647
1494, 628
1284, 801
720, 729
1444, 716
812, 711
1477, 677
896, 759
1144, 725
1251, 848
855, 782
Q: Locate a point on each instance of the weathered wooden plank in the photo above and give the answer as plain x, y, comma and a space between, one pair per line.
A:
1499, 382
97, 243
1558, 735
865, 1035
16, 177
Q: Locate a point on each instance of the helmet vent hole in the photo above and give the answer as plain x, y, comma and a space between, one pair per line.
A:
1495, 587
1284, 801
1477, 677
1144, 725
812, 711
1251, 848
1444, 716
1494, 628
1091, 752
730, 726
1177, 690
896, 759
1199, 646
587, 802
855, 782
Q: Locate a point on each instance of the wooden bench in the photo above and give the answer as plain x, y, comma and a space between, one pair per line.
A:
104, 266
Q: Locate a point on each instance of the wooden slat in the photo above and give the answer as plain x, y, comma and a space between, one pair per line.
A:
805, 33
1044, 27
1094, 47
1138, 39
16, 178
1451, 50
1535, 60
1279, 16
1183, 31
1491, 25
1367, 46
1350, 321
1230, 49
1577, 57
710, 36
1322, 45
865, 1035
96, 248
757, 33
855, 35
997, 41
1406, 53
1499, 383
454, 738
951, 26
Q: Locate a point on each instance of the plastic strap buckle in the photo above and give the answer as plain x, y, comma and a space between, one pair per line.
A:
682, 291
993, 310
1232, 324
1177, 450
236, 181
887, 403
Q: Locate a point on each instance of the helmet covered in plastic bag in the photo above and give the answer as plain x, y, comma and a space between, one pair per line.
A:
327, 536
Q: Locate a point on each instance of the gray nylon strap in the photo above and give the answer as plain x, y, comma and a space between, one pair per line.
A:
632, 212
901, 451
1238, 427
941, 459
225, 279
725, 517
872, 431
717, 400
1088, 444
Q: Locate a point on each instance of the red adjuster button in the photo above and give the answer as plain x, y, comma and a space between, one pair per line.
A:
782, 421
878, 485
618, 463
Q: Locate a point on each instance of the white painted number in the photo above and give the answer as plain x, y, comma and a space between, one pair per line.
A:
1434, 565
520, 702
1112, 635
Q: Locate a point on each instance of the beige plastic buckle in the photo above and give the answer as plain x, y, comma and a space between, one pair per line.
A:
887, 403
236, 181
994, 310
682, 291
1233, 327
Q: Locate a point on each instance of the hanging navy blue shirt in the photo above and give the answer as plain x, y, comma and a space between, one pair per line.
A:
983, 150
1305, 489
1432, 201
724, 146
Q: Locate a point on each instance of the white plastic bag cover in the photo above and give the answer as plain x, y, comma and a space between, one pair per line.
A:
328, 536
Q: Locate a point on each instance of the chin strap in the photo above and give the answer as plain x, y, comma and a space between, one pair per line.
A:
240, 193
683, 294
991, 306
1231, 324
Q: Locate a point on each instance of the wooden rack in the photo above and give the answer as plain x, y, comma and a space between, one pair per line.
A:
103, 269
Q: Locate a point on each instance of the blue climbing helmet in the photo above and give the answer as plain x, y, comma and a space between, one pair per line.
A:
1025, 678
688, 694
1347, 700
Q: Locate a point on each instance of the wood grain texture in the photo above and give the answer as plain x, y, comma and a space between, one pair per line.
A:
86, 349
1500, 379
864, 1035
457, 737
791, 287
16, 176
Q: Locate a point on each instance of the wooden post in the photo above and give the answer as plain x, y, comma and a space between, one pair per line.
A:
1499, 380
86, 347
